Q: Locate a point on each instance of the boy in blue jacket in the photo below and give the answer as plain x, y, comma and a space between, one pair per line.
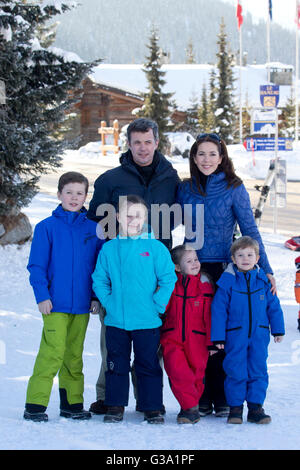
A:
243, 312
134, 279
63, 255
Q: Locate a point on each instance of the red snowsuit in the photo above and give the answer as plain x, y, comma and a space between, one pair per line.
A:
185, 337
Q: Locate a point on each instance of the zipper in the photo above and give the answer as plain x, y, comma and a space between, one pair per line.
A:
249, 303
185, 286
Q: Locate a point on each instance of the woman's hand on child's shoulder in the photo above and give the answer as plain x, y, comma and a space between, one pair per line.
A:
273, 283
45, 307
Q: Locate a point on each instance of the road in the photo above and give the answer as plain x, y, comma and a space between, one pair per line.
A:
288, 218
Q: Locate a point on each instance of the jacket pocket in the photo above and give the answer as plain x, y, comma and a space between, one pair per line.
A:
165, 330
233, 329
199, 332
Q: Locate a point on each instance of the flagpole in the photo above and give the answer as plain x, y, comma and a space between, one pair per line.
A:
297, 72
268, 45
241, 98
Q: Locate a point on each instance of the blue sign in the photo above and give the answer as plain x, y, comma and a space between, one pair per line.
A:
269, 96
268, 144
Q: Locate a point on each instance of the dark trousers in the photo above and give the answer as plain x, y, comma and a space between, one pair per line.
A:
146, 363
214, 373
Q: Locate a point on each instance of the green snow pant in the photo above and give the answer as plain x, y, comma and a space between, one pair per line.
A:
60, 352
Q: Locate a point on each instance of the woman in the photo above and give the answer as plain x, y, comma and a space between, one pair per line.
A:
225, 200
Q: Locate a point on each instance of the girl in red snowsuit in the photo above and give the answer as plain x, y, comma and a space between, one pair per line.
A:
185, 335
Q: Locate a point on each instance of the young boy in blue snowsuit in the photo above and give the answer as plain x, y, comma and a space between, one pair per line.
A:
243, 312
134, 279
63, 256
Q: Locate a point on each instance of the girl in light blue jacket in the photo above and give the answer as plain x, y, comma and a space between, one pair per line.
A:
134, 279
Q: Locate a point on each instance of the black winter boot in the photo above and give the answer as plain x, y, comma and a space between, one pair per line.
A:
189, 416
256, 414
153, 417
35, 413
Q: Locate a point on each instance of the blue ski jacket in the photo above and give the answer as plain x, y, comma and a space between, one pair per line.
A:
223, 207
62, 259
244, 305
134, 279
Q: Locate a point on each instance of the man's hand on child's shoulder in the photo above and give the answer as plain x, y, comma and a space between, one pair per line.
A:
45, 307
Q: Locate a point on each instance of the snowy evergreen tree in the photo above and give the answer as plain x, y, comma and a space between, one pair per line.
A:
287, 118
225, 112
190, 55
38, 83
203, 114
157, 104
191, 123
212, 98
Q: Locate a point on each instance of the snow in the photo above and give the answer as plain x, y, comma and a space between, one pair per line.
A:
20, 333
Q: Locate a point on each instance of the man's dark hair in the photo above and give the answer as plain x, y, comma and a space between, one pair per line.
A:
72, 177
142, 125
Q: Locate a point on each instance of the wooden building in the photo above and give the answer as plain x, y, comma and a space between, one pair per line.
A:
101, 102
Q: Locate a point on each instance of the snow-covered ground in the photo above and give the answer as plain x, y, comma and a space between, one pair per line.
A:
20, 332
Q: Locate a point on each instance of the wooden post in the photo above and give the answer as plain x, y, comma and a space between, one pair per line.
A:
103, 124
109, 130
116, 133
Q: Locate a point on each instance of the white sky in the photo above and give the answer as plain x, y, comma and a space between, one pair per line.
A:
283, 10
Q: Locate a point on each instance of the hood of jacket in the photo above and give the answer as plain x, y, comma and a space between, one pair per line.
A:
231, 274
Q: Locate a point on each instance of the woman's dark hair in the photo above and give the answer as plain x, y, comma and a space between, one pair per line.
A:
72, 177
226, 164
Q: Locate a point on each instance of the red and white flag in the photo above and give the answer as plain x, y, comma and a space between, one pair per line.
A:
297, 19
239, 14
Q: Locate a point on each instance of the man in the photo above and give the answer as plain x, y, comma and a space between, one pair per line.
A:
144, 171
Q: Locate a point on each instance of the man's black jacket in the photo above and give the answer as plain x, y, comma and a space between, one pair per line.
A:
126, 179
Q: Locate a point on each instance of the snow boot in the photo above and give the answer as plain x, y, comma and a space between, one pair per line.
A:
98, 407
153, 417
37, 417
80, 414
221, 411
205, 408
235, 415
256, 414
114, 414
188, 416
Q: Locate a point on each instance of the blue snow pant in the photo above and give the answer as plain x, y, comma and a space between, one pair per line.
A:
146, 363
245, 365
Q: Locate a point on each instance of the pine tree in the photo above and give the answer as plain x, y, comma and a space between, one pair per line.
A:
157, 104
287, 118
203, 114
190, 55
212, 100
225, 112
38, 84
191, 122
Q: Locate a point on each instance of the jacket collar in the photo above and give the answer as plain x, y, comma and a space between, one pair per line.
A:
70, 217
